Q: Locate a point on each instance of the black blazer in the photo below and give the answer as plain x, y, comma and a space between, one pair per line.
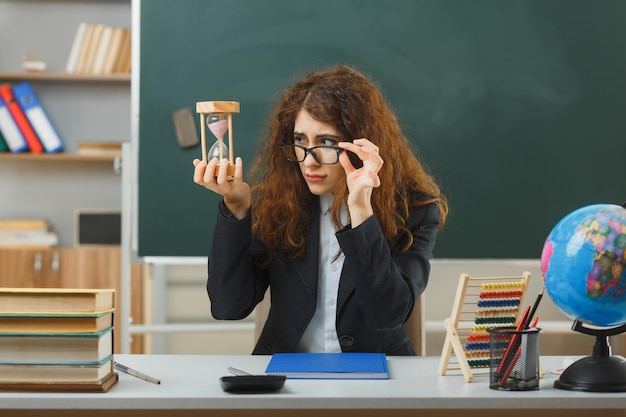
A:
377, 289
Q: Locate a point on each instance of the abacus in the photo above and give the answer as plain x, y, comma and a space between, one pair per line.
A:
479, 304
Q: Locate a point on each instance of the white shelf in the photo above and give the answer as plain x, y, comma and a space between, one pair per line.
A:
51, 76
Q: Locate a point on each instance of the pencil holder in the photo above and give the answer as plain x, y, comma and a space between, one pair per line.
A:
514, 359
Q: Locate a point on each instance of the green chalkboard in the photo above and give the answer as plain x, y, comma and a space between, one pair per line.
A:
518, 107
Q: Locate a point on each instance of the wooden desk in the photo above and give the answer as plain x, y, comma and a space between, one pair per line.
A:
190, 387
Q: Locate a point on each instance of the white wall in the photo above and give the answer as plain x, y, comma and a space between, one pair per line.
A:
80, 111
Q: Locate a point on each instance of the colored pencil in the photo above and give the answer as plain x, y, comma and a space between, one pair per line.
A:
514, 342
534, 309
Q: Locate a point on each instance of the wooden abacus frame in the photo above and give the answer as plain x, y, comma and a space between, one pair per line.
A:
463, 322
208, 107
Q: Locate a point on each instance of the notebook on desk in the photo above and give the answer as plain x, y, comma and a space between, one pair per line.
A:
349, 365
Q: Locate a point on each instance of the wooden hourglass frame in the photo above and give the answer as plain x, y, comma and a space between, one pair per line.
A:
227, 108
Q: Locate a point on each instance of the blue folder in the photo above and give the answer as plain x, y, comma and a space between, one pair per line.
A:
348, 365
38, 118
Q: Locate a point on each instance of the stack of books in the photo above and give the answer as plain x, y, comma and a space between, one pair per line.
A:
56, 339
98, 49
24, 123
27, 233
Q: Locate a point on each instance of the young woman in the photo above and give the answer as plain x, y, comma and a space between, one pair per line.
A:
340, 223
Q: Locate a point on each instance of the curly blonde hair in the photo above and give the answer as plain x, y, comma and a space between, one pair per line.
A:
345, 99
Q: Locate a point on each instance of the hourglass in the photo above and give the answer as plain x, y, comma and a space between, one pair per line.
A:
217, 116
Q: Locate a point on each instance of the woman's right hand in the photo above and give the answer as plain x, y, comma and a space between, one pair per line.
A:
235, 191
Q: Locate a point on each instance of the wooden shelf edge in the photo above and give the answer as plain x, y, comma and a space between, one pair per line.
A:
59, 157
60, 76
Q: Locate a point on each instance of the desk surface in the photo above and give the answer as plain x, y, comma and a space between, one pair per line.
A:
191, 382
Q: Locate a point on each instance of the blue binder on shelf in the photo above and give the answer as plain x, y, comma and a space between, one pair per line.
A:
11, 131
38, 117
347, 365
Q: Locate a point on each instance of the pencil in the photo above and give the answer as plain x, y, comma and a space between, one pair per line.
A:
135, 373
534, 309
513, 343
509, 368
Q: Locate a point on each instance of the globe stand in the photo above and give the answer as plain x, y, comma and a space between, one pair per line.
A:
599, 372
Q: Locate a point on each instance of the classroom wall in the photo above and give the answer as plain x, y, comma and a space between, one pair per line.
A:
186, 299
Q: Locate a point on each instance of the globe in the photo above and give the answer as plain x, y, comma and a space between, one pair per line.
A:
583, 264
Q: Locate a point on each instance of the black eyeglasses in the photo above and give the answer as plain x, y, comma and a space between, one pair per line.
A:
325, 155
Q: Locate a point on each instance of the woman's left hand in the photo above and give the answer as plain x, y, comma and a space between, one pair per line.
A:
361, 181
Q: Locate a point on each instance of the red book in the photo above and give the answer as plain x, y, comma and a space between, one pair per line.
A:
20, 118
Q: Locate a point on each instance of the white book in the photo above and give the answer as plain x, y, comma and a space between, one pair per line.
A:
84, 49
47, 373
72, 60
29, 239
92, 49
11, 132
113, 51
101, 52
56, 348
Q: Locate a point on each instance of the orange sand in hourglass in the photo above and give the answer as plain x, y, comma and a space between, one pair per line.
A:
218, 128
